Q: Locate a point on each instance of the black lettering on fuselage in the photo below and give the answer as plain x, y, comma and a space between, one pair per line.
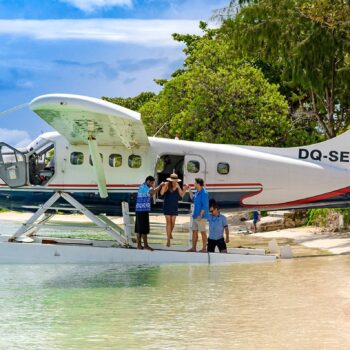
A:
303, 153
344, 157
316, 154
333, 156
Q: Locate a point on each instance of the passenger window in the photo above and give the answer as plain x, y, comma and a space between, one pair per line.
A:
115, 160
90, 159
223, 168
77, 158
134, 161
193, 166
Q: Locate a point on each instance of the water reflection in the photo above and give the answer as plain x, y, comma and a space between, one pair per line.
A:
105, 276
294, 304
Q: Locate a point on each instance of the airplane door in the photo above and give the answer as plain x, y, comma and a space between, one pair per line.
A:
13, 167
195, 166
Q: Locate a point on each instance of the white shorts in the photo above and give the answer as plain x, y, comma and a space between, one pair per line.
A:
199, 225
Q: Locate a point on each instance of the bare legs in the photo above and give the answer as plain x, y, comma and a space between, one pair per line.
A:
173, 219
254, 227
170, 223
139, 245
204, 241
145, 242
195, 240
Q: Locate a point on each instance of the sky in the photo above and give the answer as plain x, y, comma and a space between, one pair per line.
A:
87, 47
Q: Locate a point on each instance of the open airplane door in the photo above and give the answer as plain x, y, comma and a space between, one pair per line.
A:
13, 167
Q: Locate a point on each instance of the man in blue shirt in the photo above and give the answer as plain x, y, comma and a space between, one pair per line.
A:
217, 226
200, 214
256, 218
143, 207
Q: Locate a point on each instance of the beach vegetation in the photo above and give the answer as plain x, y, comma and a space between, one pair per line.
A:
222, 98
133, 103
308, 44
328, 218
231, 104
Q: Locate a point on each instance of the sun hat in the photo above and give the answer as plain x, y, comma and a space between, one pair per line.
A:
173, 177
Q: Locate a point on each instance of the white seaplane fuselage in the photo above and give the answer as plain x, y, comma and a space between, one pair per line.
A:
257, 177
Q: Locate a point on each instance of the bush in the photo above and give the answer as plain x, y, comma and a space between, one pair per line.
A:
327, 217
317, 217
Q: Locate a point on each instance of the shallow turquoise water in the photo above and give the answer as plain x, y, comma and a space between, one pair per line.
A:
9, 228
291, 304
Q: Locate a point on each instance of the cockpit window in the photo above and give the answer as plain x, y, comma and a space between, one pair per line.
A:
41, 163
38, 144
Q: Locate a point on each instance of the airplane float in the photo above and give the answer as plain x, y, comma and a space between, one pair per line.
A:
100, 154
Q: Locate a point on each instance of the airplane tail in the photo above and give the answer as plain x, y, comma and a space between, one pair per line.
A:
335, 151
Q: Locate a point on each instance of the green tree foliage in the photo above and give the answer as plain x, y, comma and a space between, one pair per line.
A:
215, 50
217, 98
133, 103
208, 50
234, 104
309, 42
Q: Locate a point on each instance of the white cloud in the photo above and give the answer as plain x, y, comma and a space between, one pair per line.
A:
202, 9
154, 33
14, 137
92, 5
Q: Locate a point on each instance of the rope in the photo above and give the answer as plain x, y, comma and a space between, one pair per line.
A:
14, 109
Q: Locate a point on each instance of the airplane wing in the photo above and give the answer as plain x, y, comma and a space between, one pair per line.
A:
80, 118
90, 121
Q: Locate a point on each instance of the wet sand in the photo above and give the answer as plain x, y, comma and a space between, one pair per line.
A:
314, 238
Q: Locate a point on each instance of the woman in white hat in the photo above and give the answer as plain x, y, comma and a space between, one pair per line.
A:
172, 193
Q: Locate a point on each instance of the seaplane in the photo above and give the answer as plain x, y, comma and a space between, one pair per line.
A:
100, 153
